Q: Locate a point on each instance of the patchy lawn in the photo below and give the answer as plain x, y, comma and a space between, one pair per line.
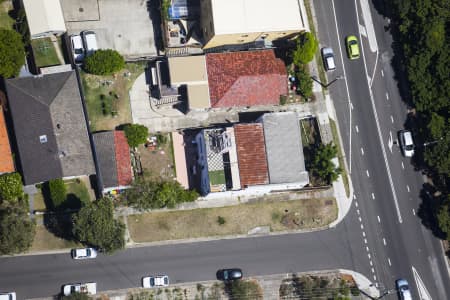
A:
107, 98
158, 162
44, 241
340, 157
5, 20
39, 201
239, 219
77, 191
44, 52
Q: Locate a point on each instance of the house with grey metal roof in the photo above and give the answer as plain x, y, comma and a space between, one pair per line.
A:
50, 128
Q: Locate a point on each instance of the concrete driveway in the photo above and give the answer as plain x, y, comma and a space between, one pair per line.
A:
125, 26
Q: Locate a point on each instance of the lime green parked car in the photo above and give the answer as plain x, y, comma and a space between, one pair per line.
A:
352, 47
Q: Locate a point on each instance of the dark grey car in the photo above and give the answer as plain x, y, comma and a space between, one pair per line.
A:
229, 274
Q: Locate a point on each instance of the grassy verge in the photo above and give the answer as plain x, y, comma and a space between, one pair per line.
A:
322, 76
44, 52
6, 21
238, 219
39, 202
340, 157
45, 241
107, 97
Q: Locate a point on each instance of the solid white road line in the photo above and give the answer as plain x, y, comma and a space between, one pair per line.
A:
391, 183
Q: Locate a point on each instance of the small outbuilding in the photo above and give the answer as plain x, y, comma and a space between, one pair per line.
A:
45, 18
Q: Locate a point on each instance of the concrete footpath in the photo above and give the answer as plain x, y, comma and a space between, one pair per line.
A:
213, 289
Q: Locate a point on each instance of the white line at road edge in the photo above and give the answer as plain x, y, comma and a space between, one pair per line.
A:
348, 93
391, 183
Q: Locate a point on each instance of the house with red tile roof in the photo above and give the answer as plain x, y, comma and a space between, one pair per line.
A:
258, 157
245, 78
113, 161
6, 160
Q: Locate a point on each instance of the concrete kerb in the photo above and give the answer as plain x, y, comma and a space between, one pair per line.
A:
363, 283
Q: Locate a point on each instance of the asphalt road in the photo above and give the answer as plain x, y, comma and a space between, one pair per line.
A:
387, 188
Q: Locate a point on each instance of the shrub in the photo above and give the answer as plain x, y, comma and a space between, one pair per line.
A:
104, 62
12, 53
245, 290
221, 220
305, 83
16, 231
136, 134
10, 187
58, 193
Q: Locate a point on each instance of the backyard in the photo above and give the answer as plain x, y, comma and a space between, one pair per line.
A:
280, 215
45, 53
107, 98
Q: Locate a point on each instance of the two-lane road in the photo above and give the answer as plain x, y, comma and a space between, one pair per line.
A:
386, 186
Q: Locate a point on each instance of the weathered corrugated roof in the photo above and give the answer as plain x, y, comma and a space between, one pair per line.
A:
251, 154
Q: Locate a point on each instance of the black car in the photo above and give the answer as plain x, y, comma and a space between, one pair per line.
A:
229, 274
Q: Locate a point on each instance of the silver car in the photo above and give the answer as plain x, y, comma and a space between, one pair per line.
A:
77, 48
406, 143
328, 59
155, 281
403, 289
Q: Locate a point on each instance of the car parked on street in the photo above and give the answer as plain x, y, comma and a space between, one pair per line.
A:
328, 59
406, 143
351, 43
403, 289
155, 281
89, 41
77, 48
89, 288
8, 296
84, 253
229, 274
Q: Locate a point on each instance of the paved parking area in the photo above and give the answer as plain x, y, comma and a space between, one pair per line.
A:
122, 25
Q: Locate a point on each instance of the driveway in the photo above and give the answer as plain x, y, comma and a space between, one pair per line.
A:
125, 26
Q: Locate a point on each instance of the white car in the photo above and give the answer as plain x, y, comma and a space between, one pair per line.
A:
328, 59
84, 253
155, 281
89, 288
406, 143
8, 296
90, 42
77, 48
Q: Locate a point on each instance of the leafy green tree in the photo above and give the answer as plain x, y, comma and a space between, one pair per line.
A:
104, 62
152, 194
58, 192
16, 231
305, 83
322, 165
10, 187
136, 134
77, 296
443, 217
245, 290
12, 53
307, 46
95, 225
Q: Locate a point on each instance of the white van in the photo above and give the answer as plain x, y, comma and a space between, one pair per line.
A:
90, 42
8, 296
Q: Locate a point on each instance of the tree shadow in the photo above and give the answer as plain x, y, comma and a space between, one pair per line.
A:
429, 208
60, 224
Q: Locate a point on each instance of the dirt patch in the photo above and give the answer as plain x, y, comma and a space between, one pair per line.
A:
157, 161
238, 219
107, 97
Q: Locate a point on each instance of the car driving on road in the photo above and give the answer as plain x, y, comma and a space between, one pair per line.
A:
328, 59
229, 274
155, 281
406, 143
403, 289
351, 43
84, 253
8, 296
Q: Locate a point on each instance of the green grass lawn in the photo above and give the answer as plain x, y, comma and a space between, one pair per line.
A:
5, 20
44, 52
217, 177
107, 94
77, 191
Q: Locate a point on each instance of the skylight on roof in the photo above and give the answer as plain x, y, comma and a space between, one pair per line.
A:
43, 139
